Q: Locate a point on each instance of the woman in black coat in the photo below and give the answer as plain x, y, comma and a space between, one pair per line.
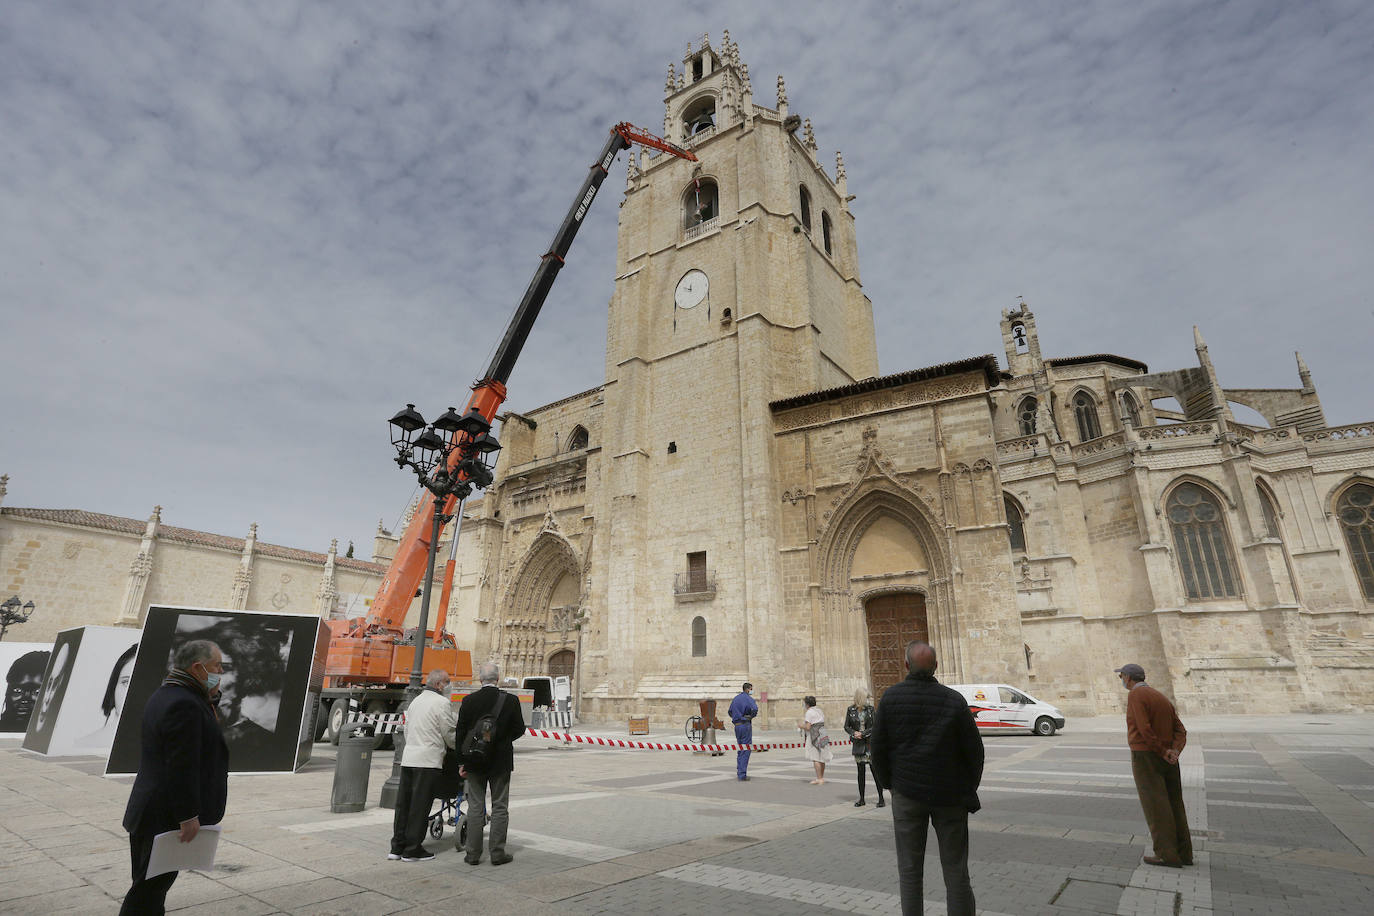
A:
858, 724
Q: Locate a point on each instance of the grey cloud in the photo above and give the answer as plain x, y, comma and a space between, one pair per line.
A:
239, 235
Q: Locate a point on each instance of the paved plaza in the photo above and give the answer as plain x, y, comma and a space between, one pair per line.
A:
1282, 811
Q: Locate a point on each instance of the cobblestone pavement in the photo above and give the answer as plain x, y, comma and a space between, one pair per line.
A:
1282, 811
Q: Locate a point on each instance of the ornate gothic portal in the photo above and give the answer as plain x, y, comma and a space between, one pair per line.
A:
885, 577
538, 628
893, 621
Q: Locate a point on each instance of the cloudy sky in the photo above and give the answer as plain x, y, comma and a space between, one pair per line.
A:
238, 235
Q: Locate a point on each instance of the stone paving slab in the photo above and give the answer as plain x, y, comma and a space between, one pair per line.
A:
1277, 806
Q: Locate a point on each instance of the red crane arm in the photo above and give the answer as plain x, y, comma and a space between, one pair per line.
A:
641, 136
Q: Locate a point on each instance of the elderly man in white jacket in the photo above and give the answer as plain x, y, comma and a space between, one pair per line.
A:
429, 730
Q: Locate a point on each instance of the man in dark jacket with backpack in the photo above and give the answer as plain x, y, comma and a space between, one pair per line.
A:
489, 722
927, 751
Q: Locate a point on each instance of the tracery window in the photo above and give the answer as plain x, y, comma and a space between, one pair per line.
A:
1132, 408
577, 439
698, 637
1201, 547
1025, 415
701, 202
1355, 509
1085, 412
825, 230
1016, 524
805, 208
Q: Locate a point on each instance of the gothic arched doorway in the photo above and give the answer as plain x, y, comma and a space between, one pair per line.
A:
562, 663
893, 621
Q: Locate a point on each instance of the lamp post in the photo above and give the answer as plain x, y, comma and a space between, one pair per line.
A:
12, 612
451, 457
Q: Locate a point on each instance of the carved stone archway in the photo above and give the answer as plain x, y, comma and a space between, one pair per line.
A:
877, 492
530, 628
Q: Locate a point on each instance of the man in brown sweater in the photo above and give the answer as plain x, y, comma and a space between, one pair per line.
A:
1156, 738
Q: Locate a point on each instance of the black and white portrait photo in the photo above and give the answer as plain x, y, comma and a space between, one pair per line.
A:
112, 701
44, 719
78, 706
261, 695
24, 664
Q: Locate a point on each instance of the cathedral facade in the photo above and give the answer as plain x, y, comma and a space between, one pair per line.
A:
745, 498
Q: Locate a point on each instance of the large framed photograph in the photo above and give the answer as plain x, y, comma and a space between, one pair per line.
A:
43, 722
23, 664
83, 692
270, 681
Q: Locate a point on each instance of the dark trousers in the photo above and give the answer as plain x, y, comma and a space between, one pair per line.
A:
863, 782
744, 734
147, 896
909, 820
475, 794
414, 798
1160, 787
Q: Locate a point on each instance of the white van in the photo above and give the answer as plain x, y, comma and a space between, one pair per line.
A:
1001, 707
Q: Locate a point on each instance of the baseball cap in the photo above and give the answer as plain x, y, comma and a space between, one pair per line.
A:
1133, 671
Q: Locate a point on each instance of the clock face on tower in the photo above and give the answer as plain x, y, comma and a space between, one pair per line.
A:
691, 289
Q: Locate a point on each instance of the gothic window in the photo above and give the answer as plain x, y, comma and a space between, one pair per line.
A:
1132, 408
1271, 513
825, 230
577, 439
1355, 509
1025, 415
1200, 543
805, 208
699, 116
698, 637
1016, 524
1085, 411
701, 203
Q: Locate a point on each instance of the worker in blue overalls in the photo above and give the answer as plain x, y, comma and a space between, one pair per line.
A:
742, 712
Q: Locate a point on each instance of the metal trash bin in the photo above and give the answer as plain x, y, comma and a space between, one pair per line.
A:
351, 770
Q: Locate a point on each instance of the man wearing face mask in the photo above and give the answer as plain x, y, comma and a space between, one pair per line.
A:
183, 771
742, 712
429, 731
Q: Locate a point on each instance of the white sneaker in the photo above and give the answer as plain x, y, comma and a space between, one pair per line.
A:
393, 857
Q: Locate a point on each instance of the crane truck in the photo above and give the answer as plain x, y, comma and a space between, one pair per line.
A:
370, 658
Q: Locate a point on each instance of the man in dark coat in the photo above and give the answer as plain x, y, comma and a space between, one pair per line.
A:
183, 773
927, 751
494, 770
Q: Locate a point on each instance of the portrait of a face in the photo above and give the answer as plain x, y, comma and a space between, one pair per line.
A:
262, 695
22, 683
61, 668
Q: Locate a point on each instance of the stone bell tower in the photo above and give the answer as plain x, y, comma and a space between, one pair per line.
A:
736, 284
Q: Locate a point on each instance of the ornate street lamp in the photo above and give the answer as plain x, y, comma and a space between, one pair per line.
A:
12, 612
451, 457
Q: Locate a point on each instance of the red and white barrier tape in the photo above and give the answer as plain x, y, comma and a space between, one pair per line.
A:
663, 746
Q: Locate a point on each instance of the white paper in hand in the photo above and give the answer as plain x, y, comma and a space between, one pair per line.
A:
170, 854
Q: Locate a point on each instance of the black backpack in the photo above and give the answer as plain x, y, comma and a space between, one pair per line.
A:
481, 740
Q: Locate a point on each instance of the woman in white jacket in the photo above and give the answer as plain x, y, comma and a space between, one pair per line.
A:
818, 749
